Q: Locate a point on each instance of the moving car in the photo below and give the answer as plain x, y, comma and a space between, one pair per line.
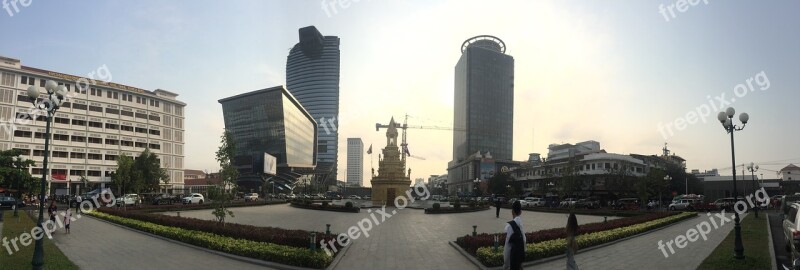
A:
163, 199
194, 198
587, 203
129, 199
627, 204
532, 202
568, 202
682, 204
354, 197
251, 197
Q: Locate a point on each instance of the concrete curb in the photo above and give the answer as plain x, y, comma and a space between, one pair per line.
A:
771, 244
223, 254
562, 256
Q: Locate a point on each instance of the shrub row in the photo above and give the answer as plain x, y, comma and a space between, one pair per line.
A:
187, 207
554, 247
438, 210
592, 212
348, 207
292, 238
296, 256
472, 243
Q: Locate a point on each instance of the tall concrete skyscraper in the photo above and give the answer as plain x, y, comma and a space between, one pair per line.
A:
484, 111
355, 162
312, 76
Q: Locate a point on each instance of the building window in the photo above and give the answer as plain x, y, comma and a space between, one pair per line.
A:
8, 79
155, 118
108, 94
141, 145
155, 132
111, 157
24, 134
78, 138
112, 111
126, 143
141, 130
38, 153
76, 172
61, 137
116, 96
79, 106
127, 113
96, 109
60, 120
155, 146
60, 154
93, 173
77, 155
126, 128
38, 135
95, 140
95, 156
112, 126
78, 122
112, 142
95, 124
141, 115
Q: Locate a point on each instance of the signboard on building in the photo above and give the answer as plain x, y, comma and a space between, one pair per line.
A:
270, 164
488, 168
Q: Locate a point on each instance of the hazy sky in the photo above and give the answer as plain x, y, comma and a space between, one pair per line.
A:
610, 71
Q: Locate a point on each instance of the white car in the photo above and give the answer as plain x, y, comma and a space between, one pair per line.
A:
791, 234
129, 199
682, 204
251, 197
532, 202
354, 197
194, 198
568, 202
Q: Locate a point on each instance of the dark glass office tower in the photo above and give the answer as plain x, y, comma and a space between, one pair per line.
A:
312, 76
270, 120
484, 111
484, 99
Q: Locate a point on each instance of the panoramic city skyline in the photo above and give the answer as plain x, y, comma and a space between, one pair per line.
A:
617, 73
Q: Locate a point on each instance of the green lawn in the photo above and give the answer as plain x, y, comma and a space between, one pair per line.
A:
755, 240
53, 258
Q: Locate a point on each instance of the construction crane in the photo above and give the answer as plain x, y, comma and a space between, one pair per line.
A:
405, 126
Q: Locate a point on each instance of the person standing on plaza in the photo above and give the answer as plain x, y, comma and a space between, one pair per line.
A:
514, 250
572, 242
67, 219
78, 201
497, 207
52, 210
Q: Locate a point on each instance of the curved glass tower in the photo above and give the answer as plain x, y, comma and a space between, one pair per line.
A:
312, 76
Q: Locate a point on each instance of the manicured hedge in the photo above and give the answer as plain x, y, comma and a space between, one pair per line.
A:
253, 249
472, 243
549, 248
324, 206
187, 207
292, 238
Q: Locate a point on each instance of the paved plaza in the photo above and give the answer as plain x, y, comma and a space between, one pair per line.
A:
409, 239
94, 244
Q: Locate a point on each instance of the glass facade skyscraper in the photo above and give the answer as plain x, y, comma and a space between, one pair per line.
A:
270, 120
484, 112
312, 76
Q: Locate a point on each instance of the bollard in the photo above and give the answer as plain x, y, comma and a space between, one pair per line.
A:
179, 213
496, 243
328, 229
474, 230
605, 219
312, 245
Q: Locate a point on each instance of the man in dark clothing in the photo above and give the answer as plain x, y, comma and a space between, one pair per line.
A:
497, 206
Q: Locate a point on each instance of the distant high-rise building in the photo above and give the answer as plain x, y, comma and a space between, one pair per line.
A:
312, 76
355, 162
484, 107
270, 121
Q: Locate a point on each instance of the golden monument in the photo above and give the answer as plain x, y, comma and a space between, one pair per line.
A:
392, 180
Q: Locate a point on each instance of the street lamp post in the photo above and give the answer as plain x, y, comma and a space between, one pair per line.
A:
753, 169
18, 163
726, 118
56, 94
475, 188
667, 179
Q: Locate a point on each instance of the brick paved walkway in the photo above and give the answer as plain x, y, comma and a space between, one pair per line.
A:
94, 244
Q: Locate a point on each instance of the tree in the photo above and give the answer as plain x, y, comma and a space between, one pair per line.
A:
571, 181
498, 183
150, 174
222, 193
123, 177
13, 171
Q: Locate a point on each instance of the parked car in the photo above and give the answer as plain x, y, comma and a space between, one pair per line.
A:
568, 202
683, 204
587, 203
291, 196
129, 199
251, 197
532, 202
627, 204
791, 232
354, 197
163, 199
194, 198
787, 201
8, 202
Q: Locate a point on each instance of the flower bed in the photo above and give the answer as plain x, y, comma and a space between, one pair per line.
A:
326, 207
554, 247
292, 238
472, 243
454, 210
243, 247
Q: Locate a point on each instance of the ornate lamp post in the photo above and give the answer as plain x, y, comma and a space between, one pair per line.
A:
18, 163
667, 179
753, 169
55, 97
475, 188
726, 118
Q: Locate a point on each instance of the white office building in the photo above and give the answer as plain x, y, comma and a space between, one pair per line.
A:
355, 162
98, 123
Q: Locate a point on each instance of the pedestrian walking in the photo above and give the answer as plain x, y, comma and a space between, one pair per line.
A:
572, 243
52, 211
514, 250
67, 219
78, 201
497, 207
